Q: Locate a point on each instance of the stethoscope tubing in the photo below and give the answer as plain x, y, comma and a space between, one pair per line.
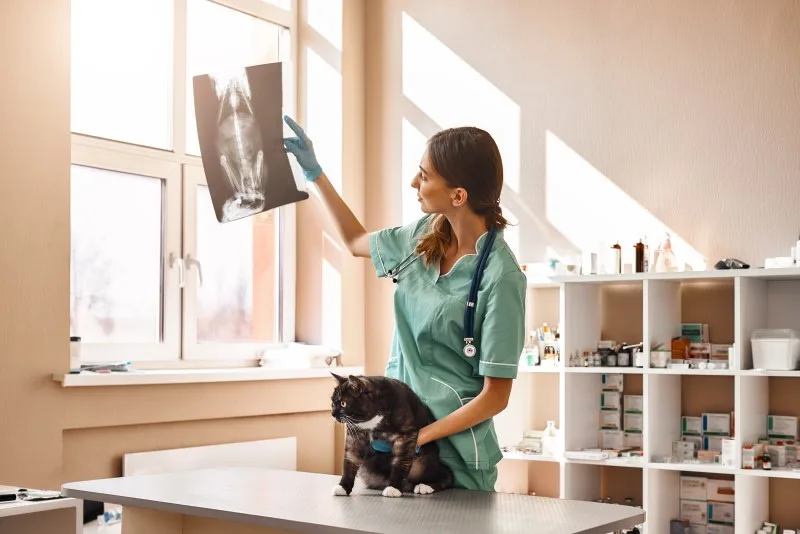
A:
472, 301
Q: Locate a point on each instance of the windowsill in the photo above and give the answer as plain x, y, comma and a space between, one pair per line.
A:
198, 376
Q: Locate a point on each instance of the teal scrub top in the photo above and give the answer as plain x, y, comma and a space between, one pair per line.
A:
428, 341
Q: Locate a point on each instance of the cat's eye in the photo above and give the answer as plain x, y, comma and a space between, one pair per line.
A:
343, 403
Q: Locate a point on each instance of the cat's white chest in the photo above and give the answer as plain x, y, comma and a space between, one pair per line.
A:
372, 424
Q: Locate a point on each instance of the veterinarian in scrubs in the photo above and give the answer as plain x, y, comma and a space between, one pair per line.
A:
433, 261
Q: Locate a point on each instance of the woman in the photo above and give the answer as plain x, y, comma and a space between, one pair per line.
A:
433, 261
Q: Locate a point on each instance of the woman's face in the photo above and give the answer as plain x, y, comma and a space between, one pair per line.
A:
433, 193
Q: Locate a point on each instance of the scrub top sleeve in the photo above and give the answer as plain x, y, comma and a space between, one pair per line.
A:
503, 330
390, 246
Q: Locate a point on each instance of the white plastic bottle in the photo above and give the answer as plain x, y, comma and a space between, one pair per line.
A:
110, 517
550, 440
797, 252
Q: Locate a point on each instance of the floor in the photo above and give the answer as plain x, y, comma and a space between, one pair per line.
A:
94, 528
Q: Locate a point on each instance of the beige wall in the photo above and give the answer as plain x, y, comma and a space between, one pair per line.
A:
50, 434
613, 116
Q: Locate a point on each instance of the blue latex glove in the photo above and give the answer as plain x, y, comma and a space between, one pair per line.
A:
303, 149
380, 445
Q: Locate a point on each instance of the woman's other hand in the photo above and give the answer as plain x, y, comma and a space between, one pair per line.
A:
303, 149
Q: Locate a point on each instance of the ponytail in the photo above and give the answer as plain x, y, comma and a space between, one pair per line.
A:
494, 217
435, 242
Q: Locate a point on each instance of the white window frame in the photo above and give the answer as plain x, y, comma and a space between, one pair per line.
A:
180, 174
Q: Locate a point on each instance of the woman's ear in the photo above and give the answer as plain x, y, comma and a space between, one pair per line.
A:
459, 196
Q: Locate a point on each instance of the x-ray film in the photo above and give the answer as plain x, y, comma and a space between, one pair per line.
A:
240, 128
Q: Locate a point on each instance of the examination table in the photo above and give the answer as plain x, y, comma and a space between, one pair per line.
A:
268, 501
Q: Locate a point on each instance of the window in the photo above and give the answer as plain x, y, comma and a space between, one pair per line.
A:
153, 275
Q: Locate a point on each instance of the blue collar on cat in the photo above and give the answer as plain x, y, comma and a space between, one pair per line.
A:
381, 445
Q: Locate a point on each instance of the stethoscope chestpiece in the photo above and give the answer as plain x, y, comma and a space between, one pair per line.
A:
469, 350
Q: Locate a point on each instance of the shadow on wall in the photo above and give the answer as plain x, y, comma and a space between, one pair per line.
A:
614, 123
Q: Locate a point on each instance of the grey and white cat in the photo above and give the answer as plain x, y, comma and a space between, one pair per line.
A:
380, 410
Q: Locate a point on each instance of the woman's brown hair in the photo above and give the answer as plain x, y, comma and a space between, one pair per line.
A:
465, 157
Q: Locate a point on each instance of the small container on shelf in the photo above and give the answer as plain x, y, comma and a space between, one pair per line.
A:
776, 349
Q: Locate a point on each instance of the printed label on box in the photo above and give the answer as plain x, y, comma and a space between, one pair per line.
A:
611, 439
694, 512
611, 420
720, 512
612, 382
781, 426
610, 400
633, 441
691, 426
720, 529
633, 404
718, 424
633, 422
693, 488
720, 490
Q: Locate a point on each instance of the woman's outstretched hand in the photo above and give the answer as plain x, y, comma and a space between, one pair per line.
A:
303, 149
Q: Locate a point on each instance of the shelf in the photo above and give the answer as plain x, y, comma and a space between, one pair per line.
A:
615, 462
544, 285
692, 372
790, 273
787, 374
765, 303
767, 498
650, 307
677, 396
584, 403
539, 369
589, 482
773, 473
529, 457
606, 370
692, 467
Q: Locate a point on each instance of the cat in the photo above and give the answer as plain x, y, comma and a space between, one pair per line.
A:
384, 410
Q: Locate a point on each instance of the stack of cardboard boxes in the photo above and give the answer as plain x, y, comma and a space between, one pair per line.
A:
779, 442
621, 418
706, 505
708, 438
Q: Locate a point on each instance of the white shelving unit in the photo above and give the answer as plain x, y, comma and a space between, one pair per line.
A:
650, 307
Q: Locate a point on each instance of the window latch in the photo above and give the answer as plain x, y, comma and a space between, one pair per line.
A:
181, 268
192, 262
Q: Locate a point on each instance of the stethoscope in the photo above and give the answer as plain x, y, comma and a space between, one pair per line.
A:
469, 311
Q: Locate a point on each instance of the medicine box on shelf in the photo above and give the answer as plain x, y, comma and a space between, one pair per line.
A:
782, 427
720, 490
693, 488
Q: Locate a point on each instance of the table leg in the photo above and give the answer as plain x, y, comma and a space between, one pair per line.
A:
58, 521
145, 521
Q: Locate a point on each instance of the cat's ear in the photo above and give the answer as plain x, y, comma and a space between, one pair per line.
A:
339, 379
359, 383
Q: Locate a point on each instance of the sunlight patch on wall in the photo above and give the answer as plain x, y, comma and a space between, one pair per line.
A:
325, 16
589, 209
413, 147
452, 93
324, 115
511, 234
331, 306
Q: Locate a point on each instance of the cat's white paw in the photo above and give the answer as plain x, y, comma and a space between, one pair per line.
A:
389, 491
423, 489
339, 491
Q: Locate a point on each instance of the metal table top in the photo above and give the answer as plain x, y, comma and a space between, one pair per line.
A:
303, 502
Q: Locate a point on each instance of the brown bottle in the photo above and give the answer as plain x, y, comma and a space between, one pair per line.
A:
617, 258
639, 248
